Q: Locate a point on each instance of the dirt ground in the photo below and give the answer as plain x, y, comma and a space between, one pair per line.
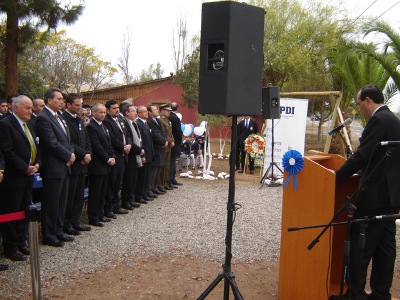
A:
174, 277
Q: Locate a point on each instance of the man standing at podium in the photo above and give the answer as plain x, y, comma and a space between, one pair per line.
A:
378, 194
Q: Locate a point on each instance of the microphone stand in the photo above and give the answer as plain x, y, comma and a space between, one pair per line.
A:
347, 147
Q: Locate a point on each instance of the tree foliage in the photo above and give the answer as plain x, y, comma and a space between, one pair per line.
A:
151, 73
123, 60
389, 57
296, 42
24, 18
61, 62
188, 79
179, 43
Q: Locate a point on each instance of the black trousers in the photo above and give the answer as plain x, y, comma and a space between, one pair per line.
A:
98, 185
75, 200
54, 203
114, 186
380, 247
14, 233
142, 181
172, 168
129, 182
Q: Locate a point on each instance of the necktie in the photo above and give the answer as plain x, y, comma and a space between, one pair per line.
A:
247, 123
104, 129
31, 142
60, 122
120, 128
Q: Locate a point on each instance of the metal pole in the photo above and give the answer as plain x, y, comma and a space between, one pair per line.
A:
34, 216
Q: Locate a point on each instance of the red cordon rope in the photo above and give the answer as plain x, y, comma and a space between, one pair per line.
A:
12, 217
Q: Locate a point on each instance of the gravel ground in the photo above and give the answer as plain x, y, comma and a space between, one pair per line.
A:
189, 220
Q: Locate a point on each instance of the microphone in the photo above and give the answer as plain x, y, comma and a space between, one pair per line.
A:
390, 143
387, 217
336, 129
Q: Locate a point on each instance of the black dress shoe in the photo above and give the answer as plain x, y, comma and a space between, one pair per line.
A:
15, 256
177, 183
162, 190
127, 206
97, 224
71, 231
241, 171
65, 238
158, 192
148, 198
173, 186
141, 201
135, 204
4, 267
82, 228
110, 215
120, 211
168, 188
251, 171
53, 243
151, 195
25, 250
105, 220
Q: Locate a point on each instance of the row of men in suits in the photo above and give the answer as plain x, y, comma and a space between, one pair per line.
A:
120, 151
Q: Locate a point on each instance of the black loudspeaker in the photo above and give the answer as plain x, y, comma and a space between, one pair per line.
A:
231, 59
271, 102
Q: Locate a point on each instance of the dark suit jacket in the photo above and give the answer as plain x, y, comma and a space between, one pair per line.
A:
55, 144
117, 136
380, 186
33, 120
147, 141
135, 150
102, 150
80, 140
5, 115
176, 132
159, 139
243, 132
17, 153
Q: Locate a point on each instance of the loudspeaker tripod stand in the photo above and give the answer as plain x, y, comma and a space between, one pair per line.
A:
272, 164
227, 274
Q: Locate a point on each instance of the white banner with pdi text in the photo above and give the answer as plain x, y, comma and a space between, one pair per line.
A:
289, 132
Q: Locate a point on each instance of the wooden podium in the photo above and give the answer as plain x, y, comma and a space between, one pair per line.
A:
313, 274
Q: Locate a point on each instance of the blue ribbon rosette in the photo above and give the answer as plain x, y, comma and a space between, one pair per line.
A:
292, 162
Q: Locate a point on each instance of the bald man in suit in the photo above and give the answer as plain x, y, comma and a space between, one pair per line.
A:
22, 160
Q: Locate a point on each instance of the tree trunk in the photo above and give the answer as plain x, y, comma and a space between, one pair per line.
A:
11, 76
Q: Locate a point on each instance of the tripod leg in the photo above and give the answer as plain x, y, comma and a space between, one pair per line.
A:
264, 177
235, 290
276, 165
212, 286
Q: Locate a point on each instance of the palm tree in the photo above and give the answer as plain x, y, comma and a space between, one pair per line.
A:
24, 18
352, 69
389, 58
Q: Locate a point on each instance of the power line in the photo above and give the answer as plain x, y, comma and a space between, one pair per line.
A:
364, 11
385, 11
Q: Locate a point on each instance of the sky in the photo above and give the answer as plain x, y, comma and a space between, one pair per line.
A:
151, 23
